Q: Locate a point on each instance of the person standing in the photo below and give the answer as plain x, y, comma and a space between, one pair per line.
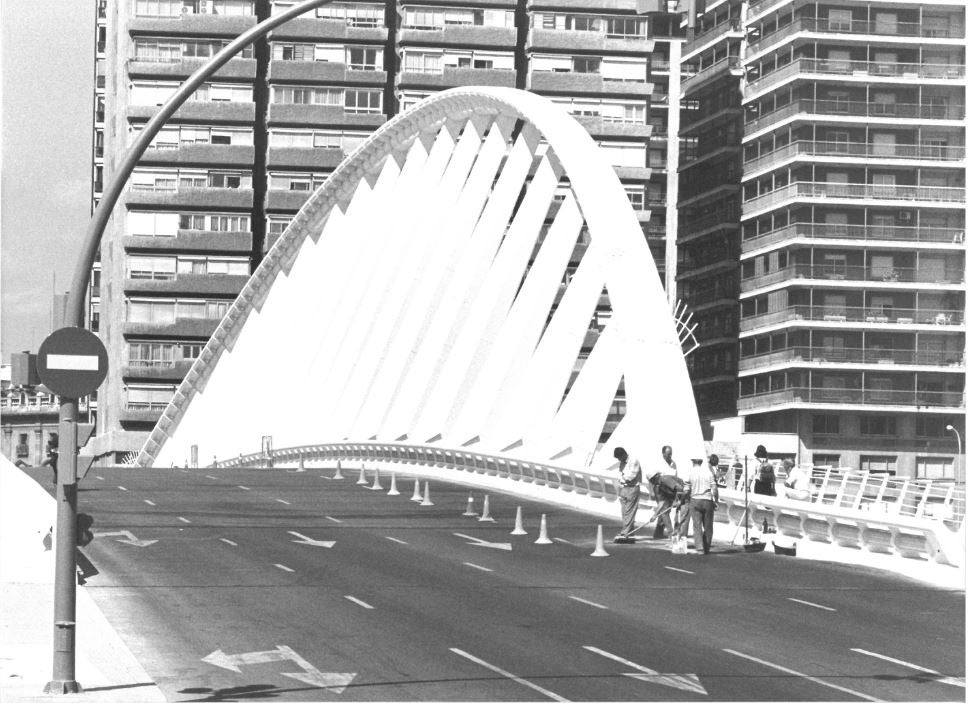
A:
764, 482
703, 495
629, 490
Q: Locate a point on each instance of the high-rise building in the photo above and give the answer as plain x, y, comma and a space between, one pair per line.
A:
850, 215
228, 172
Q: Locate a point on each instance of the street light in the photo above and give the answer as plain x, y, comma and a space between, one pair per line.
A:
951, 428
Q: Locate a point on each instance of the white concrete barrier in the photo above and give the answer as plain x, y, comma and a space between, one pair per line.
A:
27, 517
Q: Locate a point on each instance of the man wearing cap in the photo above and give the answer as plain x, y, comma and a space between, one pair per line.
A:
628, 492
703, 497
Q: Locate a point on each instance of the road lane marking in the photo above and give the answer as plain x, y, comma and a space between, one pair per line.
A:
681, 571
284, 568
211, 477
952, 680
228, 541
245, 488
560, 539
476, 566
332, 518
185, 520
360, 603
589, 602
150, 503
99, 478
394, 539
285, 502
802, 675
517, 679
812, 605
122, 488
684, 682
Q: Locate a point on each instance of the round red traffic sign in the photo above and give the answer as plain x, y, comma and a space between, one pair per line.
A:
72, 362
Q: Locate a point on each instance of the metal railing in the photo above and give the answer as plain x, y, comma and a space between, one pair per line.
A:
897, 274
696, 74
826, 26
861, 191
846, 314
854, 355
879, 69
853, 396
923, 152
856, 233
856, 108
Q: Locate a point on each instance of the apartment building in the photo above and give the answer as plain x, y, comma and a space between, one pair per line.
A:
851, 222
229, 171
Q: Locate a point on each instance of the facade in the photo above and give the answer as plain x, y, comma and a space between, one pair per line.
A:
225, 177
851, 220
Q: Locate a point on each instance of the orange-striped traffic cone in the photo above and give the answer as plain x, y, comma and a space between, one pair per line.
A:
518, 525
600, 545
543, 536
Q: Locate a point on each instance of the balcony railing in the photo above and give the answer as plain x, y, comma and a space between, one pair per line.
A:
861, 191
905, 357
851, 315
698, 75
884, 29
922, 152
857, 108
852, 396
697, 224
880, 69
731, 24
857, 233
897, 274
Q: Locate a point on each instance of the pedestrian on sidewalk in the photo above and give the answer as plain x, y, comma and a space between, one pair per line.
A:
703, 495
667, 468
764, 481
629, 490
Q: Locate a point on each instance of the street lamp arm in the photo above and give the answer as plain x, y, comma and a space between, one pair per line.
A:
109, 198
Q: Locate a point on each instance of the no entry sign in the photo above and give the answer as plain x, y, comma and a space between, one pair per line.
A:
72, 362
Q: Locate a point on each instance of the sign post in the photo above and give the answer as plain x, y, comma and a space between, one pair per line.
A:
72, 362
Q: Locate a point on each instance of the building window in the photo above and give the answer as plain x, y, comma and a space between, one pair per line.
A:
878, 425
362, 58
363, 101
587, 64
878, 464
927, 426
826, 460
935, 467
826, 424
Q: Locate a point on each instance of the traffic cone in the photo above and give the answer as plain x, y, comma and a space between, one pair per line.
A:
518, 525
338, 476
393, 485
302, 465
416, 491
599, 545
543, 537
376, 480
361, 481
486, 512
470, 512
426, 497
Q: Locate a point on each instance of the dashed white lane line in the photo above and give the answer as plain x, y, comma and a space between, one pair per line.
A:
185, 520
122, 488
284, 568
284, 502
332, 518
802, 675
394, 539
211, 477
812, 605
228, 541
559, 539
517, 679
360, 603
150, 503
954, 681
476, 566
589, 602
99, 478
245, 488
681, 571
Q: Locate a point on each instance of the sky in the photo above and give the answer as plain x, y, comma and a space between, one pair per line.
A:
46, 112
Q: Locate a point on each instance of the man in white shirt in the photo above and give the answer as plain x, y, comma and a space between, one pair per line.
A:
703, 497
797, 483
628, 492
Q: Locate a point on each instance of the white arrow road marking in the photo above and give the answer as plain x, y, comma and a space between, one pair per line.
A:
517, 679
952, 680
303, 539
812, 605
589, 602
684, 682
805, 676
336, 682
475, 542
128, 538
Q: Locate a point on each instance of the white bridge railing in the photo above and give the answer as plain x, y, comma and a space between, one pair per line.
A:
854, 511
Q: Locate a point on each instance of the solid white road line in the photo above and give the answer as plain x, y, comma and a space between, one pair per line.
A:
211, 477
122, 488
360, 603
681, 571
185, 520
804, 676
332, 518
150, 503
589, 602
284, 568
476, 566
284, 502
812, 605
517, 679
954, 681
228, 541
245, 488
394, 539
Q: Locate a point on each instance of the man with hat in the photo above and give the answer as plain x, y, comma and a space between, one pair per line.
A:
703, 496
628, 492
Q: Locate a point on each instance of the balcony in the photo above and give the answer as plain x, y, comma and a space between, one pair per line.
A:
855, 150
201, 111
731, 64
189, 24
856, 234
315, 29
183, 284
852, 316
695, 227
556, 40
879, 357
156, 370
453, 77
808, 190
709, 36
868, 71
922, 400
230, 198
599, 126
287, 200
281, 113
849, 273
182, 327
872, 111
323, 72
874, 29
192, 241
208, 154
142, 413
305, 157
572, 82
184, 67
460, 35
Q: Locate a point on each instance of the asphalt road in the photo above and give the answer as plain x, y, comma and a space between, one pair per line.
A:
225, 582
